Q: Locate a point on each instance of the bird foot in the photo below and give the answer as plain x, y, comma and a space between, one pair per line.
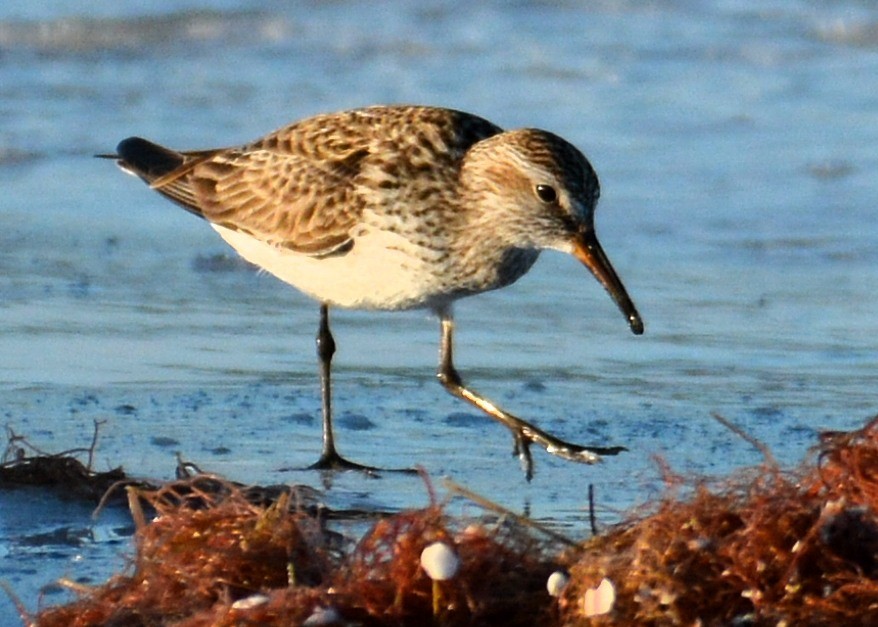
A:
521, 450
526, 434
332, 461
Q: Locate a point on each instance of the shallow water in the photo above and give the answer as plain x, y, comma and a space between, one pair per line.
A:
736, 150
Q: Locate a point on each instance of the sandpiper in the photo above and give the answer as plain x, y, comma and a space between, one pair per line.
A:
392, 208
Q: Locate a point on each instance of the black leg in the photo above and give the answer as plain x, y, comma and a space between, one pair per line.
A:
325, 351
523, 433
329, 458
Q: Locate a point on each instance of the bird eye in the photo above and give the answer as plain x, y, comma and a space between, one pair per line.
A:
546, 193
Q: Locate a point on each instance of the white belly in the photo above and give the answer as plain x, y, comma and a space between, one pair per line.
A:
381, 271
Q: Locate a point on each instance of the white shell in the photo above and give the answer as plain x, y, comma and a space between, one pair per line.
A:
440, 561
250, 602
599, 600
322, 616
557, 582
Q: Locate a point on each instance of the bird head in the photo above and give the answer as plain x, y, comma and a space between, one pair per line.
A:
541, 192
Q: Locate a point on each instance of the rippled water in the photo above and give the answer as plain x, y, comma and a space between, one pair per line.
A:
736, 150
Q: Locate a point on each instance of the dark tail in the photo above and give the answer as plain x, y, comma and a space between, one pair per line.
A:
166, 171
147, 160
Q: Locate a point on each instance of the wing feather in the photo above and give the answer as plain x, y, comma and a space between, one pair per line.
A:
281, 198
306, 186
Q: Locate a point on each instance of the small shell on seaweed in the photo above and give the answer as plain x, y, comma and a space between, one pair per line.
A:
556, 583
248, 603
439, 561
600, 600
322, 616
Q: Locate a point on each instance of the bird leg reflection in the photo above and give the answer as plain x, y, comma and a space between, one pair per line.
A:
524, 434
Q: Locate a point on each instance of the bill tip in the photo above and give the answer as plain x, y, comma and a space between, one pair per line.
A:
636, 324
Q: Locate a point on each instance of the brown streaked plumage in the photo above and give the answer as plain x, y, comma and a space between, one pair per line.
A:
395, 207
